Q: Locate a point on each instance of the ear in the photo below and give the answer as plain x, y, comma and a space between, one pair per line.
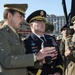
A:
9, 16
31, 24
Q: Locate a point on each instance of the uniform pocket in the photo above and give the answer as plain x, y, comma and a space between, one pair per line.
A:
14, 41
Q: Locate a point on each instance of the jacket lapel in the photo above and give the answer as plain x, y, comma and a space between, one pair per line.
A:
36, 39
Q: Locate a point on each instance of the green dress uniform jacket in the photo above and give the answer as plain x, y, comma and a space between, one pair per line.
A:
13, 60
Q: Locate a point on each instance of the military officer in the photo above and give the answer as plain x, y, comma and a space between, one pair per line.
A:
37, 40
13, 57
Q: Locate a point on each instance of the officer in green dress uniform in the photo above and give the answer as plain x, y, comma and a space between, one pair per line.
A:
13, 57
37, 40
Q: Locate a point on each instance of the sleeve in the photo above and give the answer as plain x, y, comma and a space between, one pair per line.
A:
11, 60
27, 43
59, 62
62, 47
69, 43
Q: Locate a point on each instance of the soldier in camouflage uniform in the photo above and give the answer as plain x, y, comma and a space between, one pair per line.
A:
62, 45
70, 52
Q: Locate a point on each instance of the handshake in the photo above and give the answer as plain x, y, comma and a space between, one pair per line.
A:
46, 55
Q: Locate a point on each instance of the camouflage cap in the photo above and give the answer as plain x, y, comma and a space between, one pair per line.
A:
18, 7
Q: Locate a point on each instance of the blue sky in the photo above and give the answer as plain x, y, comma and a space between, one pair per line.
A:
50, 6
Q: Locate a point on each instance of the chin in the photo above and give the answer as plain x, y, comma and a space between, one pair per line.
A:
43, 31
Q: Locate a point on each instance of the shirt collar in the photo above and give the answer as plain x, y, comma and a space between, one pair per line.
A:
38, 35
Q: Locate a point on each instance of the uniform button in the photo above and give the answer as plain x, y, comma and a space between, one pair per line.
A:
2, 49
15, 57
51, 66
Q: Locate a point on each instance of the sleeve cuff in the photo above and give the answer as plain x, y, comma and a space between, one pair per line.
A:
34, 57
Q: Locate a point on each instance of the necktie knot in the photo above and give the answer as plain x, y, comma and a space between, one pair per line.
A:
42, 38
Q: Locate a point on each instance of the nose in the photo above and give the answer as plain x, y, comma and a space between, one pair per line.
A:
23, 20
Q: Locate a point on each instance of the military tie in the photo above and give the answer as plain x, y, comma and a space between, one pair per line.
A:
43, 42
42, 38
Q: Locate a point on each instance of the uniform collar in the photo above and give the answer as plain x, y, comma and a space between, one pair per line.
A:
11, 29
39, 35
36, 36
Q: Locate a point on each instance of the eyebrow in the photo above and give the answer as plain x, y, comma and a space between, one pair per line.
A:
22, 14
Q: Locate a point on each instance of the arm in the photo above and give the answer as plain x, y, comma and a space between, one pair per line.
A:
59, 63
69, 52
9, 58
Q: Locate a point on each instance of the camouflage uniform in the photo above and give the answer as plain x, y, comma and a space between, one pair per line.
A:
70, 70
62, 51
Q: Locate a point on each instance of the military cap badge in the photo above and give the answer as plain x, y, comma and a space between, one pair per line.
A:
41, 13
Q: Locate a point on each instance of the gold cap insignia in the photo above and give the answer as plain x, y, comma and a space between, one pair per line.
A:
41, 13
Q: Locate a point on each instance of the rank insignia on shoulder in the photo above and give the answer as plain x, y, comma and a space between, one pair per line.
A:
54, 43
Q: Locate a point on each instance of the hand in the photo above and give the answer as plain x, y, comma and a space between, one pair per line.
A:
54, 55
47, 51
42, 61
57, 73
67, 52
